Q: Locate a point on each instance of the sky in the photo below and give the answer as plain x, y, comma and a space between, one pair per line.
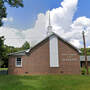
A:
68, 18
26, 17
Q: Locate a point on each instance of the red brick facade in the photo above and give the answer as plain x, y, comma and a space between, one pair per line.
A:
38, 61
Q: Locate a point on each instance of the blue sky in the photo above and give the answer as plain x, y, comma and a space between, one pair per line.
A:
68, 18
25, 17
83, 9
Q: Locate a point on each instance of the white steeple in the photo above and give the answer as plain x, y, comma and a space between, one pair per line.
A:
49, 26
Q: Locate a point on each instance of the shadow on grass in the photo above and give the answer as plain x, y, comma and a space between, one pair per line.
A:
12, 82
3, 72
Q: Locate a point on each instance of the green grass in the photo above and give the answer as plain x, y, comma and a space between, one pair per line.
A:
45, 82
3, 69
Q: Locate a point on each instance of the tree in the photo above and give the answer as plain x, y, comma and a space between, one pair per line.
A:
1, 63
12, 3
25, 46
3, 14
2, 50
82, 51
5, 50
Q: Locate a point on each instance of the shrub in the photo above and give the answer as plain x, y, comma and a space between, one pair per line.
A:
83, 71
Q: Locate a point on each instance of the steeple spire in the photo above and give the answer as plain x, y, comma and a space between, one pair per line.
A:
49, 19
49, 26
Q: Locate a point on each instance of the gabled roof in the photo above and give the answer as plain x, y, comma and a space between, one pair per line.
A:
59, 38
20, 53
27, 51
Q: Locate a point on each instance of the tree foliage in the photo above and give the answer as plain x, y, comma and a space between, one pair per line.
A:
26, 45
2, 50
12, 3
82, 51
5, 50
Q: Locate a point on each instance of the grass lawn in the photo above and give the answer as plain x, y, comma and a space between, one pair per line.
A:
45, 82
3, 69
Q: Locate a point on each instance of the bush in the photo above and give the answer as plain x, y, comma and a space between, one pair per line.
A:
83, 71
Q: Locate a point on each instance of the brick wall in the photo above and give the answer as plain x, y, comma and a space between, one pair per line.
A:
38, 61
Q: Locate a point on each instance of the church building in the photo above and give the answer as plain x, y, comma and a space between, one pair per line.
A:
52, 55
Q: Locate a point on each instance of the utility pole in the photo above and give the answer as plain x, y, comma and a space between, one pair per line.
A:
85, 53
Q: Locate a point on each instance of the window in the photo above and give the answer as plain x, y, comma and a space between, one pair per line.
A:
18, 62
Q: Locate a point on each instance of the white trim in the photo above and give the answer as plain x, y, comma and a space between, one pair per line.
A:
53, 48
16, 62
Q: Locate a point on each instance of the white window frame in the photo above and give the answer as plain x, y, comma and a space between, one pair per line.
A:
16, 62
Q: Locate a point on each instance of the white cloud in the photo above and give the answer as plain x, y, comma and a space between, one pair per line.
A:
61, 20
9, 19
80, 24
12, 36
88, 46
75, 42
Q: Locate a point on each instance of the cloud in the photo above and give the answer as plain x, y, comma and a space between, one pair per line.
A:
75, 42
12, 36
9, 19
61, 20
80, 24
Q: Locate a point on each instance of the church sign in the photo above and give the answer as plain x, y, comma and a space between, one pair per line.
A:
69, 57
